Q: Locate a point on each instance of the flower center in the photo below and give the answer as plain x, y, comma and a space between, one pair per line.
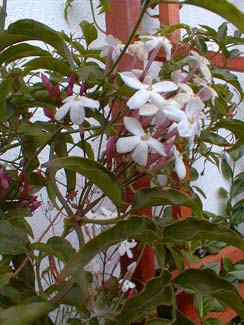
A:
191, 120
77, 98
145, 137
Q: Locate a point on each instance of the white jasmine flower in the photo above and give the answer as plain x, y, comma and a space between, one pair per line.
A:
170, 109
146, 90
75, 105
157, 41
191, 124
201, 62
126, 285
139, 143
180, 167
138, 49
109, 44
125, 248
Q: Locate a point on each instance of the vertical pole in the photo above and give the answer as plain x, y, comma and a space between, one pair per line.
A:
169, 14
120, 23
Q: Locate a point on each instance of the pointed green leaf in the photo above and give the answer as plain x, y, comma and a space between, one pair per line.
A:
28, 29
19, 51
89, 31
223, 8
13, 239
96, 173
199, 229
121, 231
48, 63
156, 292
24, 314
157, 196
207, 283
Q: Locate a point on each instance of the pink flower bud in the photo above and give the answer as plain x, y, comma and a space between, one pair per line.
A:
83, 88
69, 90
131, 293
4, 184
22, 177
24, 192
57, 93
48, 113
47, 84
205, 94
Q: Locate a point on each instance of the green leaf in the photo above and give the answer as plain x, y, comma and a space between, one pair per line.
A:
236, 127
5, 87
104, 5
222, 31
227, 264
24, 314
200, 229
19, 51
90, 73
28, 29
221, 7
238, 271
156, 292
213, 138
48, 63
157, 196
207, 283
89, 31
96, 173
121, 231
56, 246
13, 239
226, 169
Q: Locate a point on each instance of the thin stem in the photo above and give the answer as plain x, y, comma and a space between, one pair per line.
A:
94, 18
25, 260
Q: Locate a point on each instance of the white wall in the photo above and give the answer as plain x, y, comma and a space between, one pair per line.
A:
51, 12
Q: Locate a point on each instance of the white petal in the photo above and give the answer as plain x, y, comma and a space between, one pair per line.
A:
160, 117
157, 146
180, 167
127, 144
88, 102
77, 114
140, 154
111, 41
174, 114
164, 86
185, 129
138, 99
131, 81
97, 44
206, 72
133, 126
62, 111
194, 106
151, 44
70, 99
157, 99
148, 109
186, 88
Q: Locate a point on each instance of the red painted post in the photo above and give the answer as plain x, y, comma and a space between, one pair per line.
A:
169, 14
120, 23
